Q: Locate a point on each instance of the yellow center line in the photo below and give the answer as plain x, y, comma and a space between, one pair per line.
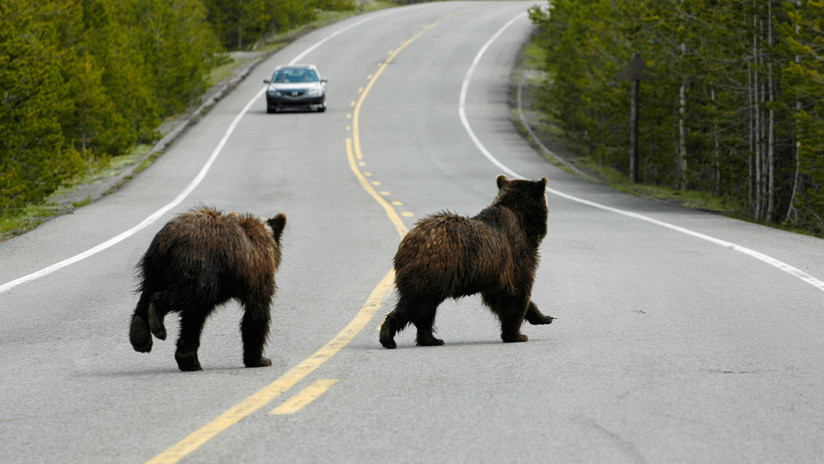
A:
304, 398
374, 77
251, 404
390, 210
285, 382
353, 146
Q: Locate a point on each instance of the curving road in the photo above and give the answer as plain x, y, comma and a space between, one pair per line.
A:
681, 336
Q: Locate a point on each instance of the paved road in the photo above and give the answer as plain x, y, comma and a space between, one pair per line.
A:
676, 341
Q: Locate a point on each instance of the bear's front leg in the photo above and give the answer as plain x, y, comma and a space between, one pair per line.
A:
513, 338
511, 322
510, 310
535, 317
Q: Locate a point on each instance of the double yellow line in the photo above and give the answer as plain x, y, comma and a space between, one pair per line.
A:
353, 147
263, 397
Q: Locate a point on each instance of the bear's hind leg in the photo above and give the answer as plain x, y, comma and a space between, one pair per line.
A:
254, 328
396, 321
425, 323
389, 328
535, 317
157, 312
510, 310
139, 334
192, 320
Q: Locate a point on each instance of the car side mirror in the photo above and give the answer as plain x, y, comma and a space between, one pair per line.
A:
323, 81
267, 81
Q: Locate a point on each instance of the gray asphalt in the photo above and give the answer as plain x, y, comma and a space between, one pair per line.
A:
667, 348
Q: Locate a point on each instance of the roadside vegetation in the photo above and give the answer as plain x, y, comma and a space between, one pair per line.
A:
85, 85
732, 112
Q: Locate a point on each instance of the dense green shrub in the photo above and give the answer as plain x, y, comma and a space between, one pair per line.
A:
241, 24
83, 81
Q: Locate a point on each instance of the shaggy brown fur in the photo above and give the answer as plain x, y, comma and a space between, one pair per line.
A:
198, 261
494, 253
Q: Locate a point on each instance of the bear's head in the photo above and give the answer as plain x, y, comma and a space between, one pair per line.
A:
527, 199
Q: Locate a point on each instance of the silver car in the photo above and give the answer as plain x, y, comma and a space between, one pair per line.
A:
296, 86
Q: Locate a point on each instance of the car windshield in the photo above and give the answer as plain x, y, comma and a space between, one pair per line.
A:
295, 75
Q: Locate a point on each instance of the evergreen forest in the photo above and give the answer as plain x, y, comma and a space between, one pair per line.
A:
82, 81
731, 104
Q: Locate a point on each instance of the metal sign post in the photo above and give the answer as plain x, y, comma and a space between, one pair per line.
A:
634, 71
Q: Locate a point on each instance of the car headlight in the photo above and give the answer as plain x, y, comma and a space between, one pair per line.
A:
315, 92
274, 92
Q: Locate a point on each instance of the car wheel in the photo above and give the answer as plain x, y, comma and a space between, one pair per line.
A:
322, 108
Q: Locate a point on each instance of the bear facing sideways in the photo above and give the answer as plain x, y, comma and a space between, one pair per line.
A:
202, 259
494, 253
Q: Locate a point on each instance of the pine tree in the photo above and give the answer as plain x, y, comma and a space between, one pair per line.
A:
734, 108
34, 155
803, 76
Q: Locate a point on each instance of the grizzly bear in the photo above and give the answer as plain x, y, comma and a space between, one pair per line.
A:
198, 261
494, 253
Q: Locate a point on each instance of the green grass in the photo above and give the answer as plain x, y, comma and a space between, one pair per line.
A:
533, 55
223, 70
84, 202
22, 221
693, 199
687, 198
19, 221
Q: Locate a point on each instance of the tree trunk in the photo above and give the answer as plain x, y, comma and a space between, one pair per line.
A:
771, 130
751, 161
716, 156
682, 130
756, 89
792, 214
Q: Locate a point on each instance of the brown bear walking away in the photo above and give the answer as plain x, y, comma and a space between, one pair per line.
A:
494, 253
198, 261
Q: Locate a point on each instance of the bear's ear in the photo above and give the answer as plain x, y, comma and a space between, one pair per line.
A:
543, 183
501, 180
277, 224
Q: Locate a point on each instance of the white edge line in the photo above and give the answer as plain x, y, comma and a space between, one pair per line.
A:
182, 196
778, 264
